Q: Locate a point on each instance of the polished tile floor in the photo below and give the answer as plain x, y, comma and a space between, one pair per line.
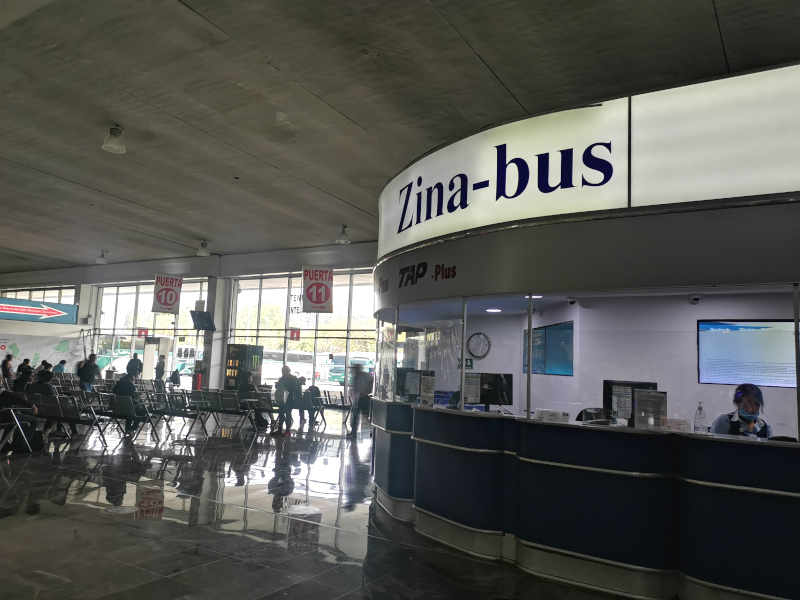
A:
225, 517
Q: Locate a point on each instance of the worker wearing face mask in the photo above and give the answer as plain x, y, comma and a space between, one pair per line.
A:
746, 419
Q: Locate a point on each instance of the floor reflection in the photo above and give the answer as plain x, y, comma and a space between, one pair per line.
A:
228, 516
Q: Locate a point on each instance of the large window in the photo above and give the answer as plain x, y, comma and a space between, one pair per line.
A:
268, 312
125, 320
63, 295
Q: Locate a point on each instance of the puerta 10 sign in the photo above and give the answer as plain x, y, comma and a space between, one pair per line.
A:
317, 289
167, 294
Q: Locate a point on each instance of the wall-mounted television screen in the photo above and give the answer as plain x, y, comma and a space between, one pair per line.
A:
734, 352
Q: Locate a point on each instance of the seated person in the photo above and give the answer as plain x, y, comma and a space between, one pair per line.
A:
61, 367
27, 419
745, 419
247, 391
21, 382
45, 388
125, 387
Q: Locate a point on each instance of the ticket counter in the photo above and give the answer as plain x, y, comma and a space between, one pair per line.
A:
646, 514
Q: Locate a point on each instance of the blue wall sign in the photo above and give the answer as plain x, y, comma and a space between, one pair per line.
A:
42, 312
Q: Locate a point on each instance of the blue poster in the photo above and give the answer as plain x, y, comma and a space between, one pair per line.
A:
41, 312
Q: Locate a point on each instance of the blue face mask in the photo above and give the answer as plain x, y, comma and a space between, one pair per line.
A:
743, 414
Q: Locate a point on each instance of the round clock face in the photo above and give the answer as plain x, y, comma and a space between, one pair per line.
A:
479, 345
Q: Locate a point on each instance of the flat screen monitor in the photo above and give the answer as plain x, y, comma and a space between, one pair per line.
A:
734, 352
618, 397
202, 320
495, 388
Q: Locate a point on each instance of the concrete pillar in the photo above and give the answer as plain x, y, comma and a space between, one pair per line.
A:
214, 345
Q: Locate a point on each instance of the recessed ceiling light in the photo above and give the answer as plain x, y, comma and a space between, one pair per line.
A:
533, 296
493, 310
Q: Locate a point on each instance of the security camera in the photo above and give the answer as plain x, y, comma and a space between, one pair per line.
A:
572, 301
695, 298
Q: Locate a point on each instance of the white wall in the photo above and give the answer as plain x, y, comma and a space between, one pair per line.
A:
654, 338
506, 334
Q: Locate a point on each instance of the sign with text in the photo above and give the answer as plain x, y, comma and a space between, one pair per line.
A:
43, 312
317, 289
167, 294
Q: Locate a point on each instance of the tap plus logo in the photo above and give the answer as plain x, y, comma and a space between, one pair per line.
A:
411, 275
382, 285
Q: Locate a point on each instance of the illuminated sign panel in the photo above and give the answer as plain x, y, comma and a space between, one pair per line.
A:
731, 138
572, 161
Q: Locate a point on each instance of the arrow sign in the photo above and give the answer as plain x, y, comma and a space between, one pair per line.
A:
24, 310
45, 312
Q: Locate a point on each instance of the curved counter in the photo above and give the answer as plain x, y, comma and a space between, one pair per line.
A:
638, 513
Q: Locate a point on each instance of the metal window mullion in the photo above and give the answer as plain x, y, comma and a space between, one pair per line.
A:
314, 357
288, 314
258, 310
463, 352
347, 333
135, 309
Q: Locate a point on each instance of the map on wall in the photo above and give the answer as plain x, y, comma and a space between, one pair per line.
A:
39, 348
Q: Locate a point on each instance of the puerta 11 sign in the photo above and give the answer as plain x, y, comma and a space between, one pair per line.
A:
573, 161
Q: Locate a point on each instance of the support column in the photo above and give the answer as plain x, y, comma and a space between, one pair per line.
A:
214, 343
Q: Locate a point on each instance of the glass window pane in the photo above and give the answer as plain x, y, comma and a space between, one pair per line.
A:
190, 294
273, 358
247, 305
23, 295
108, 301
273, 303
299, 357
144, 312
165, 321
68, 296
126, 302
122, 351
298, 319
341, 298
37, 295
363, 303
51, 295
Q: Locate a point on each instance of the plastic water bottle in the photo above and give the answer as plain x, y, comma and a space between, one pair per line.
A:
700, 423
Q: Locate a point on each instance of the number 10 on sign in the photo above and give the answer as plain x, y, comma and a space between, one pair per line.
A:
317, 289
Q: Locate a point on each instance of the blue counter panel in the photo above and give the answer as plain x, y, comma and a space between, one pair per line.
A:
465, 487
615, 517
460, 429
739, 539
603, 448
394, 416
394, 464
747, 463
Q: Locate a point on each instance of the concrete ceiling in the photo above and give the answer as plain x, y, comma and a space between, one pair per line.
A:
265, 125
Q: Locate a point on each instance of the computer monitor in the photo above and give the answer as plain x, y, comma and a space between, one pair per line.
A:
202, 320
618, 397
495, 388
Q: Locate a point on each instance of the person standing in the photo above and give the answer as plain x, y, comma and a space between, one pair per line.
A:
61, 367
289, 386
8, 374
362, 384
135, 366
88, 371
161, 366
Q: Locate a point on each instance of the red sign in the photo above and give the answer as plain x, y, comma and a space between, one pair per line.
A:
294, 334
142, 333
317, 289
167, 293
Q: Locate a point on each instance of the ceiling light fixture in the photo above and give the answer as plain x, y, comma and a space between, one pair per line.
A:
534, 297
493, 310
114, 142
203, 250
102, 260
343, 238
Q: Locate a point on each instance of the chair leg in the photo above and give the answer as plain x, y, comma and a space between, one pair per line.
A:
21, 431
